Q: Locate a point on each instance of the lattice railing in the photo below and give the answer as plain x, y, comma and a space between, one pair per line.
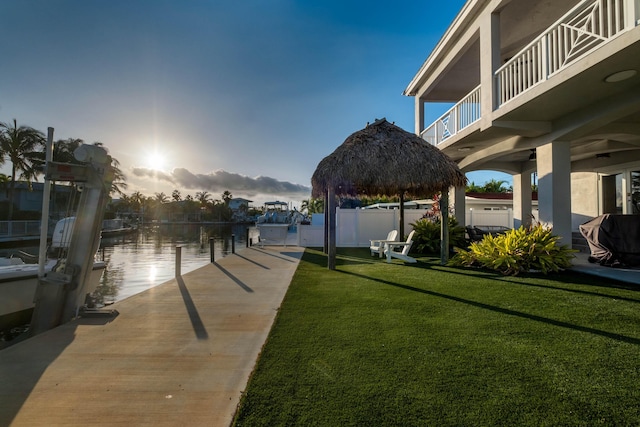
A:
461, 115
583, 29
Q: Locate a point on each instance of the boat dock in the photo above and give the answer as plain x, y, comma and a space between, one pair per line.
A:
180, 353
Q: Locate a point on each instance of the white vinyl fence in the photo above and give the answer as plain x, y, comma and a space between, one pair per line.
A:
355, 227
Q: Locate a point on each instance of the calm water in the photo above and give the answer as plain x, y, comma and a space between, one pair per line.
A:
139, 261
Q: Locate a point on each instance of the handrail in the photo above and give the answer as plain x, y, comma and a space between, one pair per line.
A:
466, 112
579, 32
19, 228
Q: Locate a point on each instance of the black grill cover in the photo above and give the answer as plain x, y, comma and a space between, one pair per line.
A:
614, 240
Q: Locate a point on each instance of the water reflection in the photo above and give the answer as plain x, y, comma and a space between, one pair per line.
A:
137, 262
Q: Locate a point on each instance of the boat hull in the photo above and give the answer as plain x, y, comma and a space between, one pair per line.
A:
18, 286
273, 233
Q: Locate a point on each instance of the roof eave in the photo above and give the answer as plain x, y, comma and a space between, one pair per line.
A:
435, 57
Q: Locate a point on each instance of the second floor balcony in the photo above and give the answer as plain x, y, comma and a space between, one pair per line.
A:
583, 35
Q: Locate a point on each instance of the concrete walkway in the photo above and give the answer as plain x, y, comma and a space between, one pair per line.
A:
628, 275
178, 354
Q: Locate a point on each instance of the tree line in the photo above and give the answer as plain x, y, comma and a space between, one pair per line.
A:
160, 206
24, 147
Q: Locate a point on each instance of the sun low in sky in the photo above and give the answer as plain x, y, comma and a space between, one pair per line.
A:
155, 160
252, 94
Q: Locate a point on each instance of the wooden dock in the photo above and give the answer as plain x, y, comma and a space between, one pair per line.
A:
180, 353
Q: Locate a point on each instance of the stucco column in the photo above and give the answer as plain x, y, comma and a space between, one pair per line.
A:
554, 188
457, 194
419, 114
522, 200
489, 63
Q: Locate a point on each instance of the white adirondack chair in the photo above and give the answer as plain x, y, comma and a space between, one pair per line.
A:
377, 246
404, 254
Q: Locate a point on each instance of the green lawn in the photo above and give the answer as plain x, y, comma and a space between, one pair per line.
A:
374, 344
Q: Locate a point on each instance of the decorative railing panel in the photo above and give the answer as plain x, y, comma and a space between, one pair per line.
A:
583, 29
461, 115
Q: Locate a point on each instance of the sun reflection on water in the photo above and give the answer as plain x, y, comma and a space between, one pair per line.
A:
153, 272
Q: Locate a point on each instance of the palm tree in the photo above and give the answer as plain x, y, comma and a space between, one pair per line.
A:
125, 204
161, 198
226, 197
23, 147
312, 206
203, 197
137, 199
119, 184
495, 186
63, 150
176, 196
4, 181
474, 188
119, 179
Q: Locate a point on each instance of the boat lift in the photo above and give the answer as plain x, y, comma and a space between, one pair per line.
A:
61, 293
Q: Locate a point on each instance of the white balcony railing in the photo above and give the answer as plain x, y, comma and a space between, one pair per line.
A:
583, 29
461, 115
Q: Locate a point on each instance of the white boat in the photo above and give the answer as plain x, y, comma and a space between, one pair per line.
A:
276, 222
18, 283
275, 213
110, 227
116, 227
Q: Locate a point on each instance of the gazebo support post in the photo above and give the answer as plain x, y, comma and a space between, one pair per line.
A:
325, 247
401, 228
331, 204
444, 227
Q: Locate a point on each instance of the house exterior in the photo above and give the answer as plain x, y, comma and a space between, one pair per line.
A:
550, 87
240, 208
28, 198
239, 204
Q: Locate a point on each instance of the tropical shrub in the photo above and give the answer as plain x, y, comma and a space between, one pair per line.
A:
427, 236
516, 251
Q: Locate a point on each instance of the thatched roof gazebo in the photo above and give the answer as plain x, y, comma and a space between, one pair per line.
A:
384, 159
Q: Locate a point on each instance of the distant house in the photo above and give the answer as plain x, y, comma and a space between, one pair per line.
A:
237, 204
29, 199
495, 201
239, 208
545, 87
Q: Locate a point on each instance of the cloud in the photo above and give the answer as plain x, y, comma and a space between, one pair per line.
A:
152, 173
221, 180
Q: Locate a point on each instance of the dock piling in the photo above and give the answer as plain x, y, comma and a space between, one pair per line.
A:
233, 243
211, 249
178, 261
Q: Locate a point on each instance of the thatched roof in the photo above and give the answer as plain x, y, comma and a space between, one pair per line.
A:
384, 159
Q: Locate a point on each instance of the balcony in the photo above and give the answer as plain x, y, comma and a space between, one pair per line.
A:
582, 30
588, 26
463, 114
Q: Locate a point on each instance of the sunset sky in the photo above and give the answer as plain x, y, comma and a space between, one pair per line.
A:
196, 95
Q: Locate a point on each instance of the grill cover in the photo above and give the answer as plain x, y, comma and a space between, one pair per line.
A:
614, 240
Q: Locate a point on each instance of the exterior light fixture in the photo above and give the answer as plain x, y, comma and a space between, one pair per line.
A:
532, 156
620, 76
468, 148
